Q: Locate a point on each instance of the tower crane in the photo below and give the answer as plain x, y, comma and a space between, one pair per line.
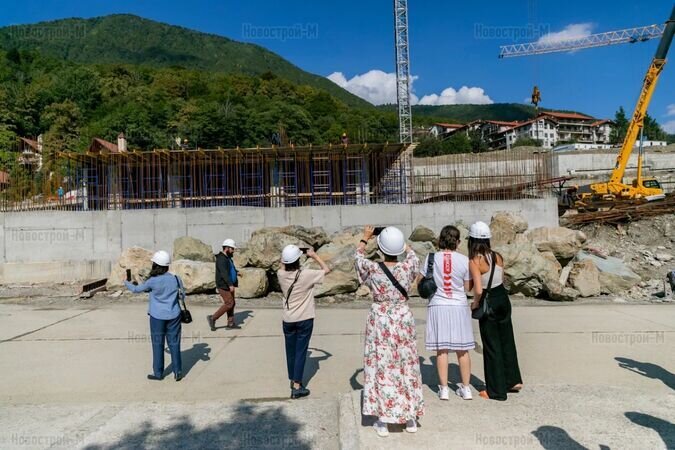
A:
615, 188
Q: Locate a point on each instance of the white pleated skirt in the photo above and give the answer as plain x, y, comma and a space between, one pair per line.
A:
449, 328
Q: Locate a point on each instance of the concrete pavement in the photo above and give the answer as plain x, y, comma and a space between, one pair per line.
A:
594, 374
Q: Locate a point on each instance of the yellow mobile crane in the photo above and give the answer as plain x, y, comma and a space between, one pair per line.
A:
615, 188
647, 188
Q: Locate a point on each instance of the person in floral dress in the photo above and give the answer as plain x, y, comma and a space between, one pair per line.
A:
393, 383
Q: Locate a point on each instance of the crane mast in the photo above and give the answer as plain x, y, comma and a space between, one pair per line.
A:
403, 71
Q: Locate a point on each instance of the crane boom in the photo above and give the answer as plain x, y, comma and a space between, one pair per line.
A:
648, 86
629, 35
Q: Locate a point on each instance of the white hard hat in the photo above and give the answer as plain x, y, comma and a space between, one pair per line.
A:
391, 241
290, 254
229, 243
480, 230
161, 258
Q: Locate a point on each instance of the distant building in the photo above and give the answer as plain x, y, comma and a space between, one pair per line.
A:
4, 180
99, 145
578, 146
544, 129
550, 128
646, 143
440, 130
30, 153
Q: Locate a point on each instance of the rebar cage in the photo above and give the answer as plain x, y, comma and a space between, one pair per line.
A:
261, 177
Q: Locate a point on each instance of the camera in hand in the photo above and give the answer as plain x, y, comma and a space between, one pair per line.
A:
378, 230
304, 250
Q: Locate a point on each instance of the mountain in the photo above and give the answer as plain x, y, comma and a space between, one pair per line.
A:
129, 39
425, 115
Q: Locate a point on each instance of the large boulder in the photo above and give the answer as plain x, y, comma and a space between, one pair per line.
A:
585, 278
265, 246
423, 234
422, 249
337, 282
253, 283
562, 242
551, 257
135, 258
615, 276
561, 293
241, 258
197, 276
187, 247
463, 247
342, 278
351, 236
505, 226
527, 271
314, 236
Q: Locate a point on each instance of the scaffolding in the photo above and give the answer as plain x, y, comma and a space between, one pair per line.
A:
260, 177
276, 177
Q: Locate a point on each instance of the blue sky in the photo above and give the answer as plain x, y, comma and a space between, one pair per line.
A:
449, 45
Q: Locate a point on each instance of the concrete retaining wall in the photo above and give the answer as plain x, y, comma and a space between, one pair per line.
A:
595, 166
56, 246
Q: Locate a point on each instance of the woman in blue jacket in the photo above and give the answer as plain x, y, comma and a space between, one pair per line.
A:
164, 312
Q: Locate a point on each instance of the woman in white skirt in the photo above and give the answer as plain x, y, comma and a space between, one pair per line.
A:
449, 315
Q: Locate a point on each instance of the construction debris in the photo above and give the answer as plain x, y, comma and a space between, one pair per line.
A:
623, 212
91, 288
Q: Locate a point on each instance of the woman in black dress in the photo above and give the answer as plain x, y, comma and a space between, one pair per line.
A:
500, 358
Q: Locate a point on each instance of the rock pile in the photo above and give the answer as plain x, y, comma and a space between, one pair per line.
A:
555, 263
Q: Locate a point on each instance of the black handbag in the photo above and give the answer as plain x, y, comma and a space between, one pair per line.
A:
185, 315
484, 310
427, 285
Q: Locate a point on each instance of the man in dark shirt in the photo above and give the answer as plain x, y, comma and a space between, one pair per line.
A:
226, 281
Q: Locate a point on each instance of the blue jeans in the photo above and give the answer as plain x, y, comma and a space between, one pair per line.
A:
297, 336
169, 331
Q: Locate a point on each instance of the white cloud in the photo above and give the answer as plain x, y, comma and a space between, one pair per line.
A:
669, 127
375, 86
465, 95
570, 32
379, 88
670, 110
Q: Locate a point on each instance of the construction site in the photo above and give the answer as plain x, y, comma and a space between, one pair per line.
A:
106, 249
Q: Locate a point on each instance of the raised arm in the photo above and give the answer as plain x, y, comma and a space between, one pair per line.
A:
312, 254
143, 287
364, 267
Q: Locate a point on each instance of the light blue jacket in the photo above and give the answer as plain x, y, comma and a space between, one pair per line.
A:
163, 299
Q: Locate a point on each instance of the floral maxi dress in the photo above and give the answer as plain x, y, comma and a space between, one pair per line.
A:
392, 389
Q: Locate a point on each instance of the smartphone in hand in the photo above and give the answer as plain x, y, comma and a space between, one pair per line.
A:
128, 274
304, 250
378, 230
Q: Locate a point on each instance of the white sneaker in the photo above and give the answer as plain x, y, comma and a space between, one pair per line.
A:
464, 392
443, 392
411, 426
381, 429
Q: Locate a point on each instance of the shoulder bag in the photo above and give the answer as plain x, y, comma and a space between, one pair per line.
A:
427, 285
290, 289
484, 310
393, 280
185, 315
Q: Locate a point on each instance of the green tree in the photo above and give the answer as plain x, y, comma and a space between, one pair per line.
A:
652, 130
478, 144
526, 142
620, 126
